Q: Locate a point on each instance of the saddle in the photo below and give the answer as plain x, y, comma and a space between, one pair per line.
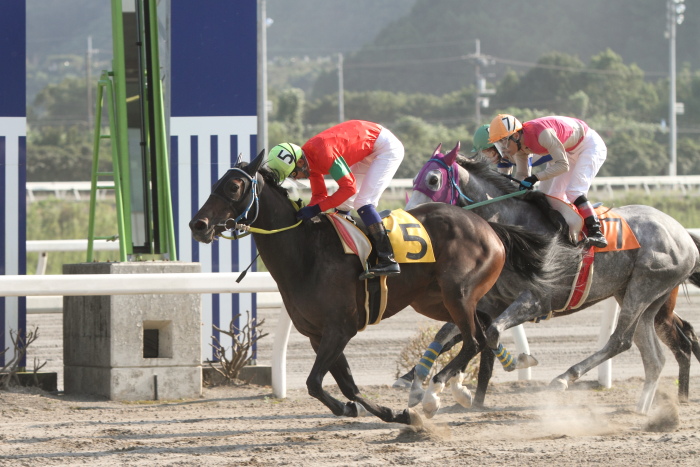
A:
409, 239
616, 231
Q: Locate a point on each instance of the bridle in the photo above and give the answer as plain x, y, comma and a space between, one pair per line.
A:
455, 193
240, 226
251, 202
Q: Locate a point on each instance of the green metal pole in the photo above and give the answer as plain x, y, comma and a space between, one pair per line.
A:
165, 208
119, 79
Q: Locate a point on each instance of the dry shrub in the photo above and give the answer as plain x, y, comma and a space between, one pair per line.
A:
413, 351
243, 340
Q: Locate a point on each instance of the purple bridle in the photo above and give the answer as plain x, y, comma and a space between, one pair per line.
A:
446, 164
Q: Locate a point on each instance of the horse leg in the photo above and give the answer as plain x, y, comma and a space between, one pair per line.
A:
524, 308
620, 340
459, 392
342, 375
431, 399
444, 340
669, 329
328, 349
652, 357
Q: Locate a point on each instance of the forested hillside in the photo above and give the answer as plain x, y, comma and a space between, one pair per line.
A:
428, 49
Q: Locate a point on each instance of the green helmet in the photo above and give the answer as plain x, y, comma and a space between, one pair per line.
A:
282, 159
481, 139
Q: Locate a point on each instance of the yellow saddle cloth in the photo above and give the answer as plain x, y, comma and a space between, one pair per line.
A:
409, 239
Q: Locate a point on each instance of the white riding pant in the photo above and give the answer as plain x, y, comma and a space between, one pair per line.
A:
584, 162
374, 173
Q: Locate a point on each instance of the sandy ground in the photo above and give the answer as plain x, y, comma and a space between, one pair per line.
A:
524, 423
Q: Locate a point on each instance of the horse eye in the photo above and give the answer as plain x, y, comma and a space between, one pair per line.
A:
232, 187
433, 182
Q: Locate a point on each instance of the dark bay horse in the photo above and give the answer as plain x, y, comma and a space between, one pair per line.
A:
643, 281
325, 301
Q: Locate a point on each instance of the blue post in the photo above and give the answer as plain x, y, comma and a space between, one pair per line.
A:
213, 119
13, 168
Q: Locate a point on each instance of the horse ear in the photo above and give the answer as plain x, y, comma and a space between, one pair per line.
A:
437, 150
252, 168
451, 156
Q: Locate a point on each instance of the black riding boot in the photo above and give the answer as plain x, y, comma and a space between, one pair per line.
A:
595, 236
386, 264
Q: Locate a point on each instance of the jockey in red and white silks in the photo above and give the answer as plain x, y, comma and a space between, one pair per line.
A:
577, 152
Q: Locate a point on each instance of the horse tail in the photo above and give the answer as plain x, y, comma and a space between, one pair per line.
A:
539, 261
695, 277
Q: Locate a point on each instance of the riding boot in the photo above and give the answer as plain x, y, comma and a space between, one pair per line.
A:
386, 264
595, 237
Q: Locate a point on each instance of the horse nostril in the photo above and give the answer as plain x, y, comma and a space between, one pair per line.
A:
199, 225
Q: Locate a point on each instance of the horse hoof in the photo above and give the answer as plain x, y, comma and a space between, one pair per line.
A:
416, 420
414, 398
431, 404
361, 411
401, 383
463, 396
525, 361
559, 384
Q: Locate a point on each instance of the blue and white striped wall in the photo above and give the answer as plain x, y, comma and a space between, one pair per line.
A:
13, 170
213, 119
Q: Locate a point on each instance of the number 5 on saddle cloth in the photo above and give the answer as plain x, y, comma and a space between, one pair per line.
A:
411, 244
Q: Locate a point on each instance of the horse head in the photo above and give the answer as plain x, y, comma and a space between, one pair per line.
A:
438, 180
233, 201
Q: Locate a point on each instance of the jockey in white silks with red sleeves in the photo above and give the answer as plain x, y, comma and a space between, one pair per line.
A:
577, 152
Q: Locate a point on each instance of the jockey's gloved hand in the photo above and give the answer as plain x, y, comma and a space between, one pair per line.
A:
529, 182
307, 212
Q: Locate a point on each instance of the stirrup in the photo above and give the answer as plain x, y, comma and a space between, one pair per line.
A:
388, 270
598, 241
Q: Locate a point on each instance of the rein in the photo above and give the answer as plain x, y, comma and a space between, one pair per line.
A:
493, 200
453, 183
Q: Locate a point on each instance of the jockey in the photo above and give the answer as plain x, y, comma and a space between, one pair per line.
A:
362, 157
483, 146
577, 153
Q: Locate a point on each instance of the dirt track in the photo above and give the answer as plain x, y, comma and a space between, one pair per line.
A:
525, 423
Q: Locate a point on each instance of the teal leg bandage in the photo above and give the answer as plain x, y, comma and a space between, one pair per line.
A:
426, 362
503, 356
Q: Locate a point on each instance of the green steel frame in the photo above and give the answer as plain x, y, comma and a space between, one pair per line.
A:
113, 84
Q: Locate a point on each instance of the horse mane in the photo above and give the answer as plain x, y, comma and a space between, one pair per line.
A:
271, 179
481, 168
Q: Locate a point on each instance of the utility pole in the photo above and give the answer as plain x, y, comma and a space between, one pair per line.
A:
481, 93
341, 90
674, 16
88, 80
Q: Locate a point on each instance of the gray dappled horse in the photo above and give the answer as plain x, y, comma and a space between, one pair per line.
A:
325, 300
644, 281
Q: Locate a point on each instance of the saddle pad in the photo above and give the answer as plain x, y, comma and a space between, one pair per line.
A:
409, 239
616, 230
354, 241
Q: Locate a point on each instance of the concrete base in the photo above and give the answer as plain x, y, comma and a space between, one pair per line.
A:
252, 374
133, 347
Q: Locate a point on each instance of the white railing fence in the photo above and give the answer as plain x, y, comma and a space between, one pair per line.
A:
44, 294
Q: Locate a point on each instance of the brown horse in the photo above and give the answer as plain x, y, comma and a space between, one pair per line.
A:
325, 301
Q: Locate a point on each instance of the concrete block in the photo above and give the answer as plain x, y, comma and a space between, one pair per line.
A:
133, 347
